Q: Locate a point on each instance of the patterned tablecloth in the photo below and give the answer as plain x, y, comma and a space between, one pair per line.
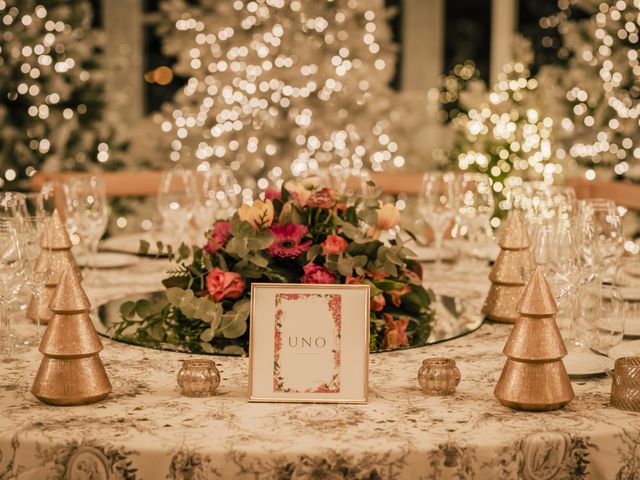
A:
147, 430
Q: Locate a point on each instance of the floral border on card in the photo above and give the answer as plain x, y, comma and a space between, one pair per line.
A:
334, 301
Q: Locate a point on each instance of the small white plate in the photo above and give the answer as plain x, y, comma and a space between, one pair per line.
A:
625, 349
429, 254
109, 260
586, 364
129, 243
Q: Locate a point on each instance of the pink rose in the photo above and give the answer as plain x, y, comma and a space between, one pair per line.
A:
221, 285
333, 244
377, 302
272, 194
394, 334
316, 274
322, 199
220, 234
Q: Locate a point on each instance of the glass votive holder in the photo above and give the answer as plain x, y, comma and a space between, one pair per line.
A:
625, 389
438, 376
198, 378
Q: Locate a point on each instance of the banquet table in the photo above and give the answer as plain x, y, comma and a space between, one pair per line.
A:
146, 430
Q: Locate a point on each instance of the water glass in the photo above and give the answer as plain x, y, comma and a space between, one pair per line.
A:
601, 239
437, 204
11, 281
177, 199
555, 251
628, 282
606, 322
33, 233
87, 213
216, 196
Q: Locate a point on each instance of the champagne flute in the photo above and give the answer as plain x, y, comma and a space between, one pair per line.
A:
88, 213
438, 204
177, 200
11, 281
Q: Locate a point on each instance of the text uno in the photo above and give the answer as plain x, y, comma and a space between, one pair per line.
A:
307, 342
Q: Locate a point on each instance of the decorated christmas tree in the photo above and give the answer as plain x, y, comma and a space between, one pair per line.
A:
502, 131
600, 84
281, 87
52, 91
595, 95
71, 372
534, 377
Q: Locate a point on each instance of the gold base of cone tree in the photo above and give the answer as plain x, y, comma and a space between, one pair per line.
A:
511, 271
71, 372
56, 250
534, 377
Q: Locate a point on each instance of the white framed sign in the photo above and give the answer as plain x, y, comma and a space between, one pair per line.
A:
309, 343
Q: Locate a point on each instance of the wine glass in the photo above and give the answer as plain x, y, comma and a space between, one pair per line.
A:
602, 241
217, 198
438, 205
9, 205
33, 237
87, 213
176, 201
606, 321
555, 251
475, 207
31, 204
11, 281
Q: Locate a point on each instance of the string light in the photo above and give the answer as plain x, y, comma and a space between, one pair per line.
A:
275, 85
51, 102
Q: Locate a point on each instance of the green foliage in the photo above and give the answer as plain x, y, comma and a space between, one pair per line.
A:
190, 317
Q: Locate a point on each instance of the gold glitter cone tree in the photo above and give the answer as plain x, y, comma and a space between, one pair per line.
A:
56, 250
71, 372
511, 271
534, 377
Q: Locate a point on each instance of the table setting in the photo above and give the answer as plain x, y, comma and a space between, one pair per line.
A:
434, 397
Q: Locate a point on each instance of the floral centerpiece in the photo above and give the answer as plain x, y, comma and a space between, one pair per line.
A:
300, 234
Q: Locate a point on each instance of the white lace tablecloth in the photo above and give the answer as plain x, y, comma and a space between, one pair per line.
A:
146, 430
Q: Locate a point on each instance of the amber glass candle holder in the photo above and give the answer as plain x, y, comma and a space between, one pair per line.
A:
439, 376
198, 378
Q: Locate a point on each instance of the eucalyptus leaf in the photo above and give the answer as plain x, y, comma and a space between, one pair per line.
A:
206, 347
128, 310
143, 249
207, 335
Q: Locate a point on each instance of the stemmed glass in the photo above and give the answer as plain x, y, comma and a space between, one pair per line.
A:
216, 196
555, 250
33, 239
87, 213
177, 199
601, 237
438, 205
475, 207
11, 280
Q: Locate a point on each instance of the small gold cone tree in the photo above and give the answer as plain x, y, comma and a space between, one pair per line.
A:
71, 372
534, 377
56, 250
511, 271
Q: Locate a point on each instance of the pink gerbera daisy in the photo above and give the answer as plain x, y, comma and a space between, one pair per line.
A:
287, 241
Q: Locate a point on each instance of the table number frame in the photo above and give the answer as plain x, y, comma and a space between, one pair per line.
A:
309, 343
